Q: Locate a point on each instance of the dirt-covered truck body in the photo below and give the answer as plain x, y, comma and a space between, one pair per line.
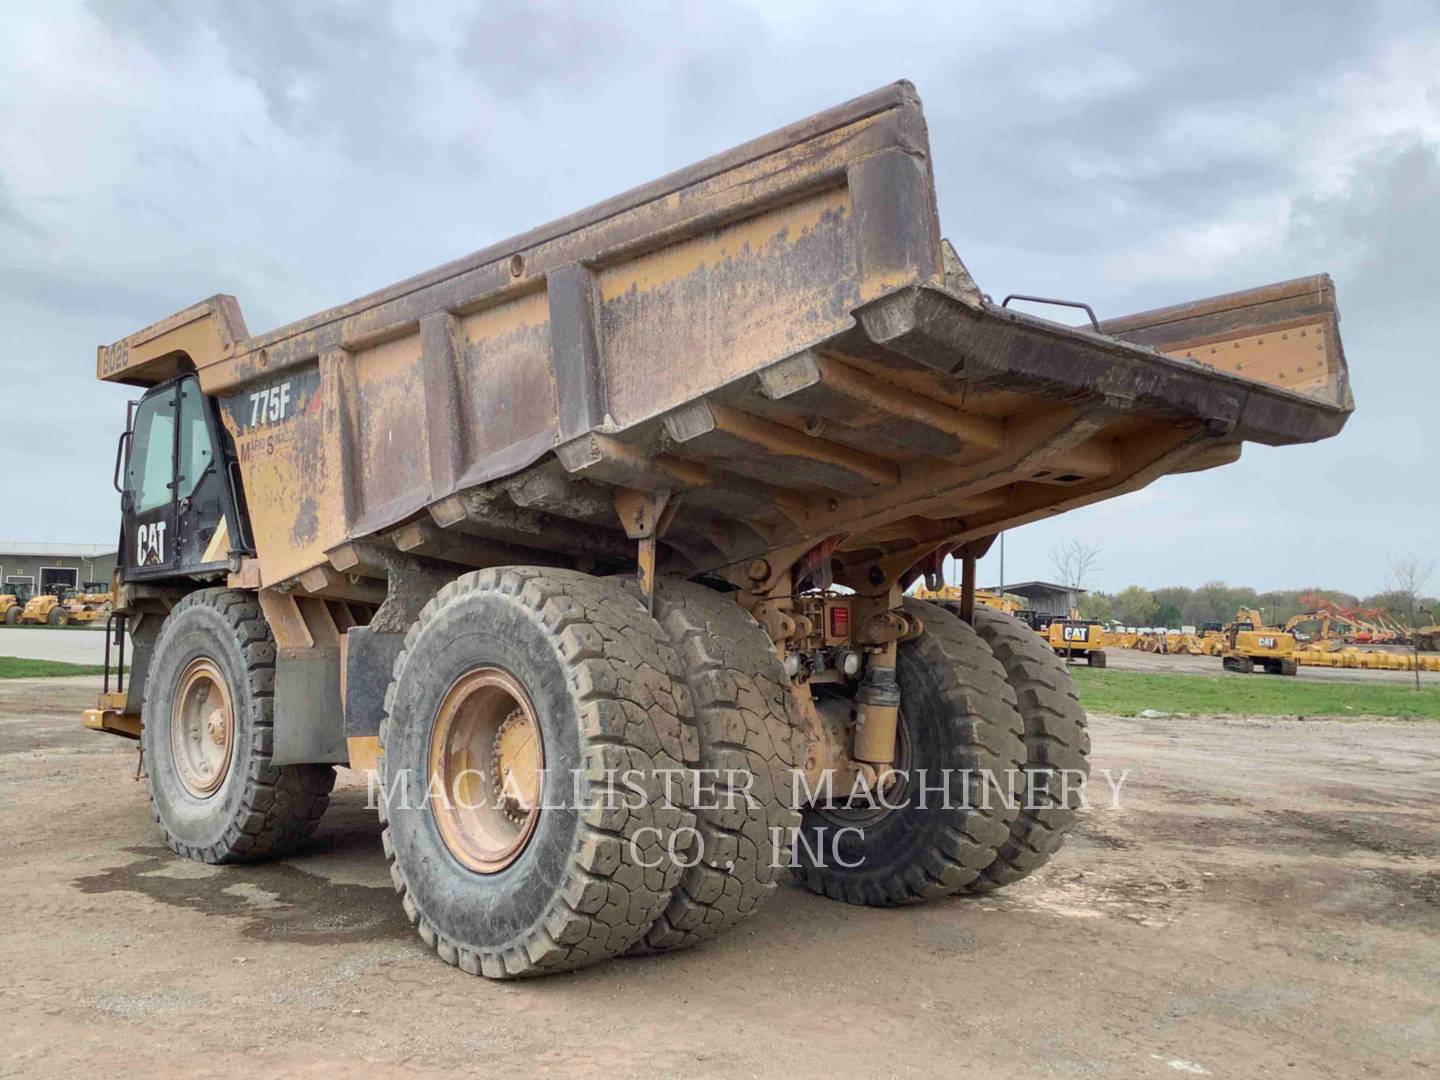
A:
766, 374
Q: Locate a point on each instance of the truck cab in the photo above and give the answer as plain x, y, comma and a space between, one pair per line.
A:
179, 500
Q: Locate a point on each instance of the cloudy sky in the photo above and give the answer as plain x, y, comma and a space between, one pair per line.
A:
1133, 155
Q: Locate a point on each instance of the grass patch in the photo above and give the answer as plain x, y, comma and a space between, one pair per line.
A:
1127, 693
14, 667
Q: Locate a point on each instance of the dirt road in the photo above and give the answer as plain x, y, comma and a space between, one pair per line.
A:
1266, 902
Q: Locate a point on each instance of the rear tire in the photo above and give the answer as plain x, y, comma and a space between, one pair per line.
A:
959, 716
741, 696
12, 616
606, 694
256, 810
1056, 738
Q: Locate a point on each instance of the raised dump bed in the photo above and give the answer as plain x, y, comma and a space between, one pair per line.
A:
746, 382
777, 333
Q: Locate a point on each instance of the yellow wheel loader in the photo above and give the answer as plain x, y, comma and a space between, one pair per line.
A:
595, 546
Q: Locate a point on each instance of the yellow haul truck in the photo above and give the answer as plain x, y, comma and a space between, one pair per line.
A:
639, 492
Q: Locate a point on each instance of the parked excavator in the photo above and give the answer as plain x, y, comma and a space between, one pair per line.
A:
1250, 643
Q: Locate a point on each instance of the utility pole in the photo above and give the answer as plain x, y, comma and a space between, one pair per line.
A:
1415, 641
1002, 567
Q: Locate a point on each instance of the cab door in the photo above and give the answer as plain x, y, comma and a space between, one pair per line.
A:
147, 499
203, 539
177, 504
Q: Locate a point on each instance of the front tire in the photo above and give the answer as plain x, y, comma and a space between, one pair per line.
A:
207, 737
598, 684
960, 725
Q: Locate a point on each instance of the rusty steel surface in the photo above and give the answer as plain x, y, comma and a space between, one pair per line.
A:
775, 340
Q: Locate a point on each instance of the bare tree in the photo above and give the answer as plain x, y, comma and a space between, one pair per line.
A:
1409, 576
1074, 562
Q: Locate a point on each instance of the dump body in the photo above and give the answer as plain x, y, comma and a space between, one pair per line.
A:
777, 337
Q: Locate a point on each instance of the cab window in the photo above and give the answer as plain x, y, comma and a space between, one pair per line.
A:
197, 453
152, 455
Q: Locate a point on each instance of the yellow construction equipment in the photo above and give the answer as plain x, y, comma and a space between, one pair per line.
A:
89, 603
1250, 643
1366, 659
12, 603
1075, 639
47, 609
540, 514
950, 594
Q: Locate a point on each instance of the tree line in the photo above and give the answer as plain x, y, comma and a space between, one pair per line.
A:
1216, 601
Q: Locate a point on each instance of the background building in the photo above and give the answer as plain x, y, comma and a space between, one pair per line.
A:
42, 565
1044, 597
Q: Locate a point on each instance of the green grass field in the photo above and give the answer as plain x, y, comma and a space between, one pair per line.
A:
1127, 693
13, 667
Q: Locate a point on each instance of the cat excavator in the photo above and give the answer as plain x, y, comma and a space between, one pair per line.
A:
1250, 643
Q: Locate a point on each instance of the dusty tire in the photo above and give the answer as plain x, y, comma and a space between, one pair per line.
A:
960, 722
57, 617
606, 694
1096, 658
259, 810
1056, 739
749, 747
12, 616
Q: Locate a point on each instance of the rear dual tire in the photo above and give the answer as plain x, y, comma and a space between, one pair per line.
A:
693, 691
1057, 747
960, 736
605, 691
748, 748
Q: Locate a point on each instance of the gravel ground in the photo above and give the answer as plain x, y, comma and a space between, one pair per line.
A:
1264, 902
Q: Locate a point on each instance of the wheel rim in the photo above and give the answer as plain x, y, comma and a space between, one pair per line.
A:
896, 797
202, 729
487, 762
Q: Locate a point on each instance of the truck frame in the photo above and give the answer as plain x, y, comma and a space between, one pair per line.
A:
643, 490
